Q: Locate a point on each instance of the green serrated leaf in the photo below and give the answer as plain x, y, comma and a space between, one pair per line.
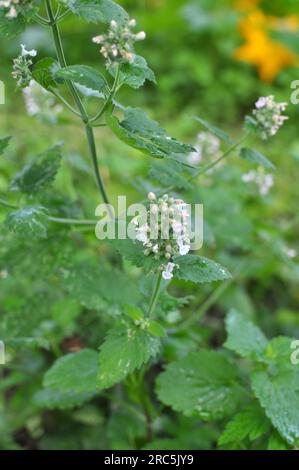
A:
169, 173
244, 337
135, 313
95, 11
277, 390
252, 423
199, 269
156, 329
84, 75
253, 156
135, 73
203, 384
214, 130
28, 222
124, 350
144, 134
74, 373
11, 27
43, 71
4, 143
39, 173
60, 400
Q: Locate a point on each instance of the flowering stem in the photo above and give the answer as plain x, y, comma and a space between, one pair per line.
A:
78, 101
58, 96
155, 295
109, 99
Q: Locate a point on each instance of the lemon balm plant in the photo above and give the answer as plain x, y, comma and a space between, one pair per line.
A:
73, 294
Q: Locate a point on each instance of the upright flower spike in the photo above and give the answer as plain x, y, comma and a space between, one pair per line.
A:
165, 232
118, 44
22, 67
268, 117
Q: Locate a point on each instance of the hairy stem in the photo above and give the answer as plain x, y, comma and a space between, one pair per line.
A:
155, 295
78, 101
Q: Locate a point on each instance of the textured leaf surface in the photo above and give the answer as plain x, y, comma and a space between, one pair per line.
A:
43, 71
253, 156
95, 11
124, 350
39, 173
199, 269
214, 130
3, 144
85, 76
135, 73
203, 384
28, 222
251, 423
55, 399
244, 337
74, 373
277, 390
146, 135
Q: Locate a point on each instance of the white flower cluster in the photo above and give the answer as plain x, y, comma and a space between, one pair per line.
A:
22, 67
40, 103
165, 232
207, 146
12, 7
268, 116
118, 44
264, 181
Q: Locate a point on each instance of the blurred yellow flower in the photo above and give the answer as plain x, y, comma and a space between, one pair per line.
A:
267, 55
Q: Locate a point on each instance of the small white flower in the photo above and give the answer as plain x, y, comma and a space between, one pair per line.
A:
140, 36
261, 102
291, 253
25, 53
167, 273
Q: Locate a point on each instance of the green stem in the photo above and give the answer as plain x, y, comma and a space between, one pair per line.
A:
59, 97
155, 295
7, 204
77, 99
60, 220
109, 99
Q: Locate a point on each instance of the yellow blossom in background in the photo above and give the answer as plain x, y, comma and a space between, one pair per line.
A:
267, 55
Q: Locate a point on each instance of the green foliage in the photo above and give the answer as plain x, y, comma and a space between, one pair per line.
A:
85, 76
253, 156
204, 384
28, 222
3, 144
39, 173
146, 135
124, 350
95, 11
214, 130
43, 72
135, 73
199, 269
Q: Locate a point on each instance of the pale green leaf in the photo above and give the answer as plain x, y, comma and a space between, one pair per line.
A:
75, 373
244, 337
124, 350
253, 156
39, 173
84, 75
203, 384
199, 269
95, 11
28, 222
214, 130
